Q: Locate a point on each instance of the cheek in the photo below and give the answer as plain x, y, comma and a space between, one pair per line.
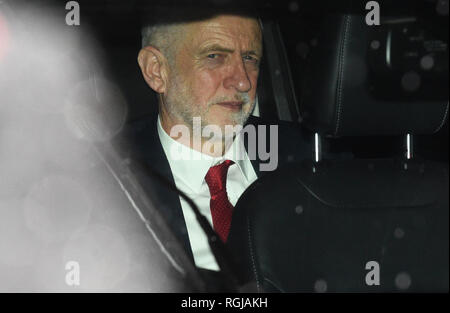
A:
254, 81
205, 86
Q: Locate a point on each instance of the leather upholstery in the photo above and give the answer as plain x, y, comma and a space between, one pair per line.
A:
297, 230
337, 100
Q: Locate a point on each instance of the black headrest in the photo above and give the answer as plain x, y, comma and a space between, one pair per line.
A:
376, 80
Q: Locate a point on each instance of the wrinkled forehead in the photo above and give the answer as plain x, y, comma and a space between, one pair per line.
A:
237, 31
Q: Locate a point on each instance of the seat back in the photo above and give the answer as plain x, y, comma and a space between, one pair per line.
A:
316, 228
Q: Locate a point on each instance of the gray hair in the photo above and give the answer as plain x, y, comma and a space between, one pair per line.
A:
164, 37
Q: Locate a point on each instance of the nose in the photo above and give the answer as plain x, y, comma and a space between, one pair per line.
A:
238, 78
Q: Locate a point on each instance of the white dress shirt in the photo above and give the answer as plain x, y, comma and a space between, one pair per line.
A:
189, 168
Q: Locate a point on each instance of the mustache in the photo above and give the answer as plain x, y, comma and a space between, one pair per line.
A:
242, 97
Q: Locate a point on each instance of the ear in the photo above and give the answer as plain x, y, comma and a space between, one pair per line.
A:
154, 68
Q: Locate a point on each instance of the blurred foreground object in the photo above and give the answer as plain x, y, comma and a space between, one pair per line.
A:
68, 205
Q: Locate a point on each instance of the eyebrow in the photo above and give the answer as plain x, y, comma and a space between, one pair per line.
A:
219, 48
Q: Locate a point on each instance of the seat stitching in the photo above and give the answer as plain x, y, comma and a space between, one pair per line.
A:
341, 73
252, 255
443, 119
273, 284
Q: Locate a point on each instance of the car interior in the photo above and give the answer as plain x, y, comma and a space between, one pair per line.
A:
372, 101
336, 214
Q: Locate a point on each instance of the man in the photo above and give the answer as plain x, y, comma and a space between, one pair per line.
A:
205, 72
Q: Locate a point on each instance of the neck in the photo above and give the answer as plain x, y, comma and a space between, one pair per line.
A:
192, 138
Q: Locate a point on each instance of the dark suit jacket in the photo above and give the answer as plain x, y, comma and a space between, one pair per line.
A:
140, 142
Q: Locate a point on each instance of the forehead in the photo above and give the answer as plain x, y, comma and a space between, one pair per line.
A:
234, 31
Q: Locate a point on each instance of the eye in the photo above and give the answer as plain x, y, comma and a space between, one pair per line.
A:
250, 58
215, 59
212, 56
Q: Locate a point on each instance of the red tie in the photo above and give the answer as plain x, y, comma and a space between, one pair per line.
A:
221, 208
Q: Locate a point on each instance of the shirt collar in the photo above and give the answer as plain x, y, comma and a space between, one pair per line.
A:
191, 166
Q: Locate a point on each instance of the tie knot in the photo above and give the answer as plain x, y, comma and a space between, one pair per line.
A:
217, 176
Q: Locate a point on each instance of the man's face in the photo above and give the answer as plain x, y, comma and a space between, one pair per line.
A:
215, 72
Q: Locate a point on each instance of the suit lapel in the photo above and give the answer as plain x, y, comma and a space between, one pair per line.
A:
151, 154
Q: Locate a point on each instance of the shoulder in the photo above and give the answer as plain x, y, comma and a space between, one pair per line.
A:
144, 126
138, 134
